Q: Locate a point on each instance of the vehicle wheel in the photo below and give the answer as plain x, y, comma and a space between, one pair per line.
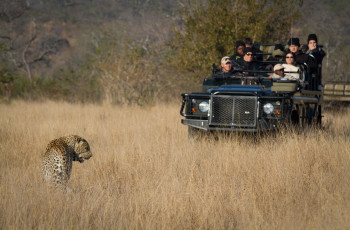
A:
303, 116
310, 112
295, 118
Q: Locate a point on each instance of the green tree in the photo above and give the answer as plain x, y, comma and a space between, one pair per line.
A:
210, 29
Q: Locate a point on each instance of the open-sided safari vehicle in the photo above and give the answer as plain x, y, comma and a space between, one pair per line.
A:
251, 103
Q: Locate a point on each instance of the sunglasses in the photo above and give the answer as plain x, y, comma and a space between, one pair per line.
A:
249, 54
289, 57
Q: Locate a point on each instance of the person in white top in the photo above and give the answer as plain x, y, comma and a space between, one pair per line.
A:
291, 67
278, 72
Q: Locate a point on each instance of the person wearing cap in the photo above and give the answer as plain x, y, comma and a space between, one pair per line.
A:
277, 56
315, 51
240, 46
246, 63
226, 66
291, 66
300, 57
278, 72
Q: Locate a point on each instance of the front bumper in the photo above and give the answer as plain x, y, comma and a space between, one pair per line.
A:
262, 125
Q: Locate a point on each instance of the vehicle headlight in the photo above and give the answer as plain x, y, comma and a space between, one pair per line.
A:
203, 106
268, 108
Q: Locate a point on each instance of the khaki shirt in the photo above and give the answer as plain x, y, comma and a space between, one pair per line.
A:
275, 76
292, 68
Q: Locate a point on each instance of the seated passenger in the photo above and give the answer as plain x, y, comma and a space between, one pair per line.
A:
315, 51
249, 44
246, 63
278, 72
226, 65
240, 46
291, 66
300, 57
277, 56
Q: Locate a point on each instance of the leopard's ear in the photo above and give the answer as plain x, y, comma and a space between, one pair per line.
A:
79, 139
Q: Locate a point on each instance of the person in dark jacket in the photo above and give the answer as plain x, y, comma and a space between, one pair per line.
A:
315, 51
246, 63
317, 54
240, 46
300, 57
249, 44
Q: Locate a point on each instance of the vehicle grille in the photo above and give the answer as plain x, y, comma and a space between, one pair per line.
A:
233, 110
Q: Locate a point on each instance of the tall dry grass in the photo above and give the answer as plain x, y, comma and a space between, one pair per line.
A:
146, 174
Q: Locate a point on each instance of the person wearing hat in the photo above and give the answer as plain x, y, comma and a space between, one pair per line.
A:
277, 56
317, 54
300, 57
246, 63
240, 46
315, 51
226, 66
278, 53
278, 72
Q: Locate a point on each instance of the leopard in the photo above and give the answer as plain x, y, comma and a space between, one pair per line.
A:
58, 158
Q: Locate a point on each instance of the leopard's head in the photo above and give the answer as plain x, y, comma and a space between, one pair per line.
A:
82, 150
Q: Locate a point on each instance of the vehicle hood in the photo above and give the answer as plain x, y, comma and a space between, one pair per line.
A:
256, 89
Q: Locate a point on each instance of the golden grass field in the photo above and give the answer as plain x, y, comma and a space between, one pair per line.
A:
146, 174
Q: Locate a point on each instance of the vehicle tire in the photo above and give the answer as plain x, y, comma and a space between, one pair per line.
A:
295, 118
310, 114
303, 116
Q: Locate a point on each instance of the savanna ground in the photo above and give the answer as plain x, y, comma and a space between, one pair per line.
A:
146, 174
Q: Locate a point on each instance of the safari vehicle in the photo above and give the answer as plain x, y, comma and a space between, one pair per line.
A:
251, 103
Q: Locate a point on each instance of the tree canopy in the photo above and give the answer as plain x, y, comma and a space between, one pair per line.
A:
210, 29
